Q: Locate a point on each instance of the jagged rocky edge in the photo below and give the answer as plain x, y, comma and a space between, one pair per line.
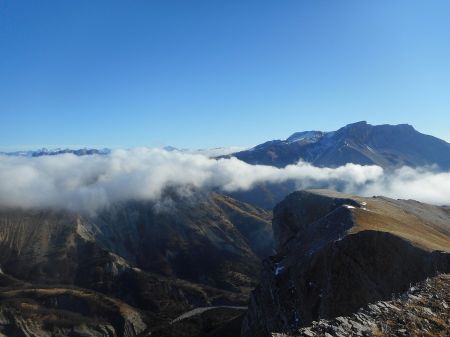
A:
422, 310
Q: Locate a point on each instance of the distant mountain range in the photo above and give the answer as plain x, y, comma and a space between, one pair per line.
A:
55, 152
212, 152
388, 146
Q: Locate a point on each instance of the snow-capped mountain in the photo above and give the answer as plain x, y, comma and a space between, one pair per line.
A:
388, 146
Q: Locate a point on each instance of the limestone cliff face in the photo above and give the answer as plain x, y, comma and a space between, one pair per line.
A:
337, 253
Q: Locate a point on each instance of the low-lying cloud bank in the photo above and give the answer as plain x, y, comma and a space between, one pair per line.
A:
90, 182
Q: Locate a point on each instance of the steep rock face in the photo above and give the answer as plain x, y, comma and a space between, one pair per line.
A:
298, 210
337, 253
204, 238
388, 146
421, 311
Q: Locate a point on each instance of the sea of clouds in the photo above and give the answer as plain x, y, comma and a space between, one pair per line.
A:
91, 182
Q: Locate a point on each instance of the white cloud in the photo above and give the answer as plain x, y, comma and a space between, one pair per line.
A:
423, 184
209, 152
89, 182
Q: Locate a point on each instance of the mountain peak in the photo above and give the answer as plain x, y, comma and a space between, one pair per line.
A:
388, 146
305, 136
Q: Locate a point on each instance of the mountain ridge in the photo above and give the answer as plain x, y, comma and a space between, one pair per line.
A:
337, 252
57, 151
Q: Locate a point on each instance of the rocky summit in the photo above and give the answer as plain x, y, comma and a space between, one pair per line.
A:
337, 253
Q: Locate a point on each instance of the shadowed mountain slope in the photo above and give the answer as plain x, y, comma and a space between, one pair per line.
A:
160, 258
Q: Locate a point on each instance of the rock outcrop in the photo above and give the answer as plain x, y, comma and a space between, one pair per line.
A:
337, 253
421, 311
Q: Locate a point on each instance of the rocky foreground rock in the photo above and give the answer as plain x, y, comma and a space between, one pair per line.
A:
337, 253
424, 310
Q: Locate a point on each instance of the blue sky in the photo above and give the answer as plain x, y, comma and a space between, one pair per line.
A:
217, 73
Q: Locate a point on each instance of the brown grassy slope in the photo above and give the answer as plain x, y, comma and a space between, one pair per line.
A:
425, 226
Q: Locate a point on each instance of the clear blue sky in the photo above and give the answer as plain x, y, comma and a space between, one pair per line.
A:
218, 73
